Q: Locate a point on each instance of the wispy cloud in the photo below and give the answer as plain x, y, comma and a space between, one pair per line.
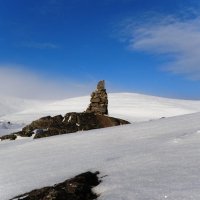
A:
40, 45
18, 82
178, 39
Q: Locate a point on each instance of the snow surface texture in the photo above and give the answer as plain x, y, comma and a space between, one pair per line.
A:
152, 160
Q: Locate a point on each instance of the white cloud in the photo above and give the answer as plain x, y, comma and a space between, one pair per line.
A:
172, 37
15, 81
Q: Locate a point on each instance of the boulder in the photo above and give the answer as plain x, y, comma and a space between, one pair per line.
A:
70, 123
77, 188
73, 122
12, 136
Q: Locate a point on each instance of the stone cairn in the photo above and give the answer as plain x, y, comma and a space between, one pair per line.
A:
99, 100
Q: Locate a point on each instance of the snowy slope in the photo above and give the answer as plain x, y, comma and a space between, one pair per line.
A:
129, 106
152, 160
10, 105
7, 127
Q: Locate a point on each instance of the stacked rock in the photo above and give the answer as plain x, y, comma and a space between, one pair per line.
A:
99, 100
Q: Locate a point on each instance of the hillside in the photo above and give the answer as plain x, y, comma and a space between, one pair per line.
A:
148, 160
10, 105
129, 106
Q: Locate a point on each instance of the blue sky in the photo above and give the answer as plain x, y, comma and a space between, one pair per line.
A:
61, 48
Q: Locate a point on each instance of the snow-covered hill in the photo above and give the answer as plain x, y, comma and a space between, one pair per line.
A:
129, 106
149, 160
10, 105
153, 160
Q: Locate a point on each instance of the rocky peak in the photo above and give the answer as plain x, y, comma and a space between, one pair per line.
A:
99, 100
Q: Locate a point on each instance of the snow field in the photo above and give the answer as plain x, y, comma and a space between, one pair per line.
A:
148, 160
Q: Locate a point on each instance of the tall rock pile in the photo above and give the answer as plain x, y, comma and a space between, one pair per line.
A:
99, 100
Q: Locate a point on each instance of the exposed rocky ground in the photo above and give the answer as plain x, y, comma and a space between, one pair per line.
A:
11, 136
70, 123
77, 188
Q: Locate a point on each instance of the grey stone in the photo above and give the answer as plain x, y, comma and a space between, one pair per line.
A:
99, 100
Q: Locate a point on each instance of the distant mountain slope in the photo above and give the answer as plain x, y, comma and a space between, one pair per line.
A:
129, 106
138, 107
10, 105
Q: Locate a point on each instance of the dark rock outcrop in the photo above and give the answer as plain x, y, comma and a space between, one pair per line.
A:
99, 100
12, 136
73, 122
70, 123
77, 188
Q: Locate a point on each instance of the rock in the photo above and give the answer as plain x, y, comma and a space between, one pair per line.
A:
95, 100
73, 122
42, 123
77, 188
99, 100
70, 123
101, 85
12, 136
